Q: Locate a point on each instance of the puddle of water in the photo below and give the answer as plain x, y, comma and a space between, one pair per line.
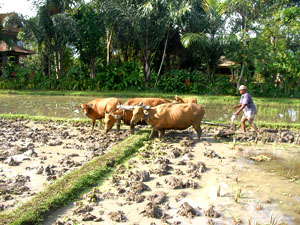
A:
65, 107
283, 161
279, 177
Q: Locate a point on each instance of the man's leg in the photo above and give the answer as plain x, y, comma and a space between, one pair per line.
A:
253, 125
243, 120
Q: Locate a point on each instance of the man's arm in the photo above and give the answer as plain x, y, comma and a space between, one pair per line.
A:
237, 106
240, 109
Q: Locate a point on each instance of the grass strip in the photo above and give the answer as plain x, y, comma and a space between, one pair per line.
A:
43, 118
202, 99
56, 119
261, 124
70, 186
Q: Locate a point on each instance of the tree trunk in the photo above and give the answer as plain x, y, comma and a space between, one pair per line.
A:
241, 75
244, 46
108, 41
208, 72
59, 67
56, 63
3, 63
49, 66
93, 71
147, 64
162, 59
126, 54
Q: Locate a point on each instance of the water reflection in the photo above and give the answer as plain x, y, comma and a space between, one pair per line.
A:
65, 106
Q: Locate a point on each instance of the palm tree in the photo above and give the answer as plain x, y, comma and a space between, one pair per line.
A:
212, 40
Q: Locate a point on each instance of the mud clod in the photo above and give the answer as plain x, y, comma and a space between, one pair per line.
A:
83, 209
187, 210
88, 217
152, 210
157, 197
211, 154
210, 212
118, 216
139, 176
174, 182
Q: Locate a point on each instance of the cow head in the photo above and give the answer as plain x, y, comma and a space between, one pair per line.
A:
111, 118
177, 99
139, 113
86, 108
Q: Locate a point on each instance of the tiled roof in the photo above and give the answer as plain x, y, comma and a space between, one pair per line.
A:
14, 50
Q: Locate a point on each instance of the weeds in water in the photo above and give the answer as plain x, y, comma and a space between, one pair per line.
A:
236, 220
219, 191
252, 223
238, 195
274, 220
291, 171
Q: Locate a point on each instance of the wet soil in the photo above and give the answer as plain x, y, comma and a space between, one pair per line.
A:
34, 154
183, 181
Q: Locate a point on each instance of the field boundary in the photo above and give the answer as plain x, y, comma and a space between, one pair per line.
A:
72, 185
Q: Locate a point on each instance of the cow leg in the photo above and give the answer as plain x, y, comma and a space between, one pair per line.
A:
118, 125
161, 134
101, 125
93, 125
131, 128
153, 133
198, 130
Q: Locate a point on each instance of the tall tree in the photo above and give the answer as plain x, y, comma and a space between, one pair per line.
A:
244, 14
90, 30
150, 21
213, 39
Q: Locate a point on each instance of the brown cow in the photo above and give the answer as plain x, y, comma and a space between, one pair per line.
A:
125, 112
185, 100
96, 109
170, 117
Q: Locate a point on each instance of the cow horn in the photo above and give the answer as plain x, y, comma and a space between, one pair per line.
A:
140, 104
119, 105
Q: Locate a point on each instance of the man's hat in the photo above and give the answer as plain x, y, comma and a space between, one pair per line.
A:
242, 87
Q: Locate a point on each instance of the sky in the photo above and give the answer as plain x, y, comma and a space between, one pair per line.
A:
19, 6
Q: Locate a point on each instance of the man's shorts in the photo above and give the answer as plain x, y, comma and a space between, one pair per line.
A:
249, 115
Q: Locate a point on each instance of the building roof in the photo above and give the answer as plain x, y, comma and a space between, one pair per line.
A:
11, 33
14, 50
4, 15
225, 63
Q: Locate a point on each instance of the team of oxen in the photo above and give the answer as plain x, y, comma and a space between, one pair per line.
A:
160, 113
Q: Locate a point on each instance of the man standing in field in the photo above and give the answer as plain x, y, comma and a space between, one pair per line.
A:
247, 105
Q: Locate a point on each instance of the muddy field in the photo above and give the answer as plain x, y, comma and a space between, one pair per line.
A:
178, 181
33, 154
183, 181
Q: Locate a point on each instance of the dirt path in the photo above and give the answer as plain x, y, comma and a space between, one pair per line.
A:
182, 181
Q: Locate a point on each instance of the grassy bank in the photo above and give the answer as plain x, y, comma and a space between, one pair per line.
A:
42, 118
202, 99
72, 185
56, 119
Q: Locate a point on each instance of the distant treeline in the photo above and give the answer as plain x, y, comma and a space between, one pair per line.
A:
169, 46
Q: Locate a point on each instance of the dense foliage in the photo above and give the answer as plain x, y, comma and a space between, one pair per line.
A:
167, 45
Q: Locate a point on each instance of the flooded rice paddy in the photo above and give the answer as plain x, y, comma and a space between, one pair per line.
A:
65, 107
192, 175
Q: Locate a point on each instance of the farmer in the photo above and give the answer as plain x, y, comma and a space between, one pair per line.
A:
247, 105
